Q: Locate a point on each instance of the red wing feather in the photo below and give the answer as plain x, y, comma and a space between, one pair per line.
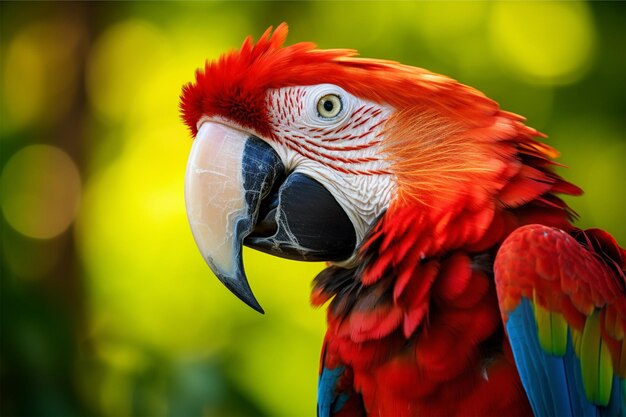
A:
574, 275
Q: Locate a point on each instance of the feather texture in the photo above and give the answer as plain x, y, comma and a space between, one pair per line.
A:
563, 298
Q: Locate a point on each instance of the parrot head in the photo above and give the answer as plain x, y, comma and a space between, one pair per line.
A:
302, 153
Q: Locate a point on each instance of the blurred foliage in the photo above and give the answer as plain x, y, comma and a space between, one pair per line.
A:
106, 306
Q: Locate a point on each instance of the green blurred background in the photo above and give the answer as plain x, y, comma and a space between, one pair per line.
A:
107, 307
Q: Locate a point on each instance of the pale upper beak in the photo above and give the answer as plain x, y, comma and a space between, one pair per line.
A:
237, 191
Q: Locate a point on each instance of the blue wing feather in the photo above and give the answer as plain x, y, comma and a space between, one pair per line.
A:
328, 400
554, 384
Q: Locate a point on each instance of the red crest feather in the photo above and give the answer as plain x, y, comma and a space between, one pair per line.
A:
234, 85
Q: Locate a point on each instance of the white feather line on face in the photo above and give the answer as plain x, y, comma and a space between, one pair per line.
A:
344, 153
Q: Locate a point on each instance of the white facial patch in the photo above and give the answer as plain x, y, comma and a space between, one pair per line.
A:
342, 152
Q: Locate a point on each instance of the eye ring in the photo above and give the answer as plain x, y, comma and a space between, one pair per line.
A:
329, 106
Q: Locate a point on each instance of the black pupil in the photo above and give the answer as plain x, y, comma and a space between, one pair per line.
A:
328, 105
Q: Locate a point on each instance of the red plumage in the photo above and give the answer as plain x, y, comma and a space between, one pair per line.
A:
416, 323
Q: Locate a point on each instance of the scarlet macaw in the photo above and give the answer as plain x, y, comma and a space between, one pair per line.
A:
457, 283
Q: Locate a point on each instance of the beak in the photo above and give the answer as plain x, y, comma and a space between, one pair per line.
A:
237, 191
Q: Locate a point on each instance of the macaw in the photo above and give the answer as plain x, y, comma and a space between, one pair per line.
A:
456, 282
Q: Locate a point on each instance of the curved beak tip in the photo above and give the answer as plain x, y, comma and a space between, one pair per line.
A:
217, 207
240, 287
246, 296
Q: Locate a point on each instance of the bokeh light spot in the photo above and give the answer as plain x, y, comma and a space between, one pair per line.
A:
547, 42
40, 70
123, 60
23, 67
450, 19
40, 191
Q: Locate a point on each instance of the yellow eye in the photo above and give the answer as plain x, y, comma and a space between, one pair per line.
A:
329, 106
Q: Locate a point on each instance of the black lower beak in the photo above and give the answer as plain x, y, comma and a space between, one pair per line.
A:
301, 220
